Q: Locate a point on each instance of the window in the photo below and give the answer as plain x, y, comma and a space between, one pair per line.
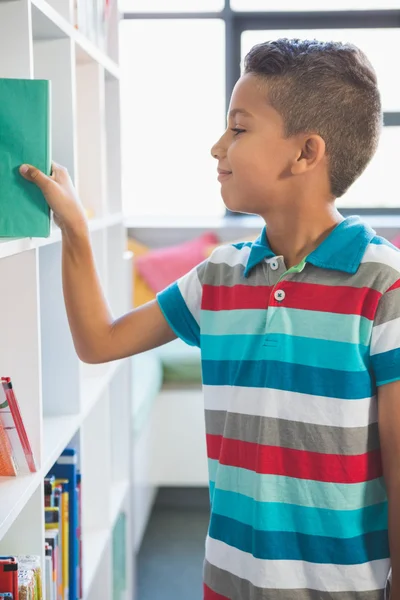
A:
160, 6
378, 185
173, 110
315, 5
378, 44
195, 49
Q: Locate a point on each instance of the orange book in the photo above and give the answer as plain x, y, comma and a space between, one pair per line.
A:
7, 465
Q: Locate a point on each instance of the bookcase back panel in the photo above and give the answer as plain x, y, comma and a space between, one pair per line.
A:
113, 145
16, 40
60, 364
92, 179
20, 348
54, 60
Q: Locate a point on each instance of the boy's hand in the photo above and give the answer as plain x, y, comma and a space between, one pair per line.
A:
61, 196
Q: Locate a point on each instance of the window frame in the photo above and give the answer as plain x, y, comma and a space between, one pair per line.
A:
236, 22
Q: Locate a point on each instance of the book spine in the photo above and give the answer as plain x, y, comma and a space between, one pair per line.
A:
79, 536
63, 483
7, 463
19, 425
65, 468
48, 148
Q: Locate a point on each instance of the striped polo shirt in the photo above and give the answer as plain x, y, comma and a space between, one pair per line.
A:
291, 361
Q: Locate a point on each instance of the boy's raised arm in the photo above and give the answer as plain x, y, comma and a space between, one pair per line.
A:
97, 337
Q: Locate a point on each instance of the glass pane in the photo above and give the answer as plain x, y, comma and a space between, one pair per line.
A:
173, 110
272, 5
151, 6
378, 44
378, 186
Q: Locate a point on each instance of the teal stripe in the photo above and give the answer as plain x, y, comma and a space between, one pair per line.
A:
285, 348
304, 492
275, 516
327, 326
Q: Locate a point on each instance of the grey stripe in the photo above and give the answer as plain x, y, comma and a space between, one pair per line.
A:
235, 588
223, 274
201, 270
348, 441
376, 276
389, 307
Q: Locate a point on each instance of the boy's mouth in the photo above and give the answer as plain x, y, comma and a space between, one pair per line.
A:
223, 174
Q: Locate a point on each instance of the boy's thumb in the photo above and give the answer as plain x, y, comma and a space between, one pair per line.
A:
36, 176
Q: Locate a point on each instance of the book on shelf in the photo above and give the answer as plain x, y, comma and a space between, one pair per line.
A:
65, 474
12, 429
25, 137
91, 18
21, 577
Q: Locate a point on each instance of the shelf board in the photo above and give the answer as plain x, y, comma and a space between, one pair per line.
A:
11, 246
57, 432
49, 24
14, 494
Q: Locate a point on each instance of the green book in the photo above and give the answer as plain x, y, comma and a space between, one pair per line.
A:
25, 131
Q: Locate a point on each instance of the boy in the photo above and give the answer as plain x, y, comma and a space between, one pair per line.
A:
299, 335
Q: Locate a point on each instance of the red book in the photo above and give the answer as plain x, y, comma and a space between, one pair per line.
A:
10, 416
9, 576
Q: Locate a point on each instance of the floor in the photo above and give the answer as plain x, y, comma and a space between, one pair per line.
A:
171, 557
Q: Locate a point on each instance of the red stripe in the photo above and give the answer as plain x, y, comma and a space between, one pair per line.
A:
221, 297
210, 595
395, 286
325, 298
272, 460
304, 296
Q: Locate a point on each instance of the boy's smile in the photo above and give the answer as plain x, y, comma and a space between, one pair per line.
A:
253, 154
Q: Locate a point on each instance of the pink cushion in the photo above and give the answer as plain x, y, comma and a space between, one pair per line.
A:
161, 267
396, 241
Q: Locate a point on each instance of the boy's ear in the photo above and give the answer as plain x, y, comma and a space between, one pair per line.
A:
310, 154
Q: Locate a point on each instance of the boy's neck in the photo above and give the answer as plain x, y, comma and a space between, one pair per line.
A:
294, 234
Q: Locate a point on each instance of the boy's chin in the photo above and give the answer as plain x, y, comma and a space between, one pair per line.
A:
234, 204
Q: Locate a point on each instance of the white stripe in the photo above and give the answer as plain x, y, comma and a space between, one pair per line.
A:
385, 337
380, 253
280, 404
297, 574
190, 288
230, 255
67, 460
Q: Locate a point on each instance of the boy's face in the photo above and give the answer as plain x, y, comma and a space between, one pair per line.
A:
254, 157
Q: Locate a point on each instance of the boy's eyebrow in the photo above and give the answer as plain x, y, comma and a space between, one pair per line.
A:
239, 111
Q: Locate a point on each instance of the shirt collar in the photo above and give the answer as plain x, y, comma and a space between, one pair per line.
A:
342, 250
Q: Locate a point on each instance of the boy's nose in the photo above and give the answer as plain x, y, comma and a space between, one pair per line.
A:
216, 150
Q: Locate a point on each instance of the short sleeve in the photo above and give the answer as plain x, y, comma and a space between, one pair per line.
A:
385, 340
180, 304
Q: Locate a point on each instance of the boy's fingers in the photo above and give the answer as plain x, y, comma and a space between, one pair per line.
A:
36, 176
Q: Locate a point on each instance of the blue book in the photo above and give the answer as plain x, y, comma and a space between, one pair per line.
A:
66, 468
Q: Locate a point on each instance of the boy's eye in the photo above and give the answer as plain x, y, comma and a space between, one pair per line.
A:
237, 130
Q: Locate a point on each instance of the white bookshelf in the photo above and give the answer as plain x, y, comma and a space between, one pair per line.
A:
63, 401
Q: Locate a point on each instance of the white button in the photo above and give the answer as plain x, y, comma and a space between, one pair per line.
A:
279, 295
274, 265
